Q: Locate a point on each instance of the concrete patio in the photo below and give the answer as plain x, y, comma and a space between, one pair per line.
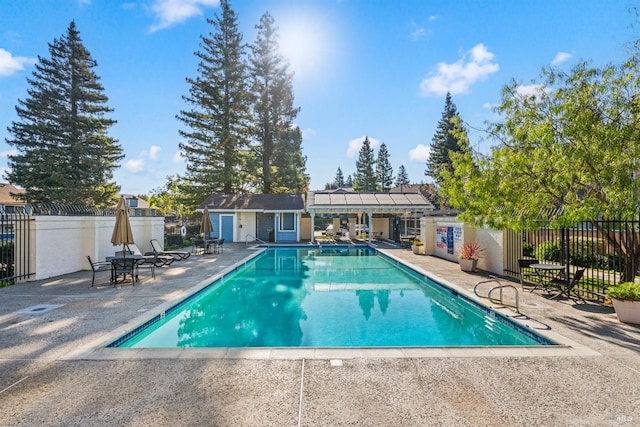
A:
53, 371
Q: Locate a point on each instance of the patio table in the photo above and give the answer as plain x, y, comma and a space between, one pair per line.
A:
545, 273
123, 265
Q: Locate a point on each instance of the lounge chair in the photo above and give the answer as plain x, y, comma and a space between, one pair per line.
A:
157, 259
97, 267
177, 255
566, 287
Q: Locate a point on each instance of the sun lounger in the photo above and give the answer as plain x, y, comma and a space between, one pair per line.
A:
177, 255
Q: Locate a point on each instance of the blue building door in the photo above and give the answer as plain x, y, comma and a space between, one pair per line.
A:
226, 228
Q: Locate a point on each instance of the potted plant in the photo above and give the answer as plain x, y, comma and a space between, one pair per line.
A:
418, 247
469, 254
625, 297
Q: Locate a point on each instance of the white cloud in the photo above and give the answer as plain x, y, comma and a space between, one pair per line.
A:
561, 57
475, 65
420, 153
488, 106
418, 33
10, 64
356, 144
134, 166
308, 133
525, 91
177, 157
153, 152
7, 153
171, 12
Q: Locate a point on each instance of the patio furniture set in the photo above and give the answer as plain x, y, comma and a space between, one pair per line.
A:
550, 278
126, 264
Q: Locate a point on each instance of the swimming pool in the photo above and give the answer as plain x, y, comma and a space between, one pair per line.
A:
327, 297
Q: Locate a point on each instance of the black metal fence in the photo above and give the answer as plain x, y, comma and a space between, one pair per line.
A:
14, 246
608, 250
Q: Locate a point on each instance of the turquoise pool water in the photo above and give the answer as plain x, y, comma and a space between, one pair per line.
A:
311, 297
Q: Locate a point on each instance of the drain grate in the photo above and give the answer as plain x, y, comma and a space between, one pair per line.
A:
40, 308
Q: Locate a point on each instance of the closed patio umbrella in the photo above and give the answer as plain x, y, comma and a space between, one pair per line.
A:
122, 234
205, 225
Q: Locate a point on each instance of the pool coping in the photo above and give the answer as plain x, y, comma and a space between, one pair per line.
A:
98, 350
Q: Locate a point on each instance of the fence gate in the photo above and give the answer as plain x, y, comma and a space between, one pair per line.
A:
14, 246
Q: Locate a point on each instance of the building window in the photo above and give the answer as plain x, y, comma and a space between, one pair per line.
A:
287, 222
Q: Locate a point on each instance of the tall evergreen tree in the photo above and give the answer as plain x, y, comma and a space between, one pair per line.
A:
218, 123
365, 176
443, 142
64, 153
384, 171
339, 179
272, 88
349, 181
403, 177
289, 165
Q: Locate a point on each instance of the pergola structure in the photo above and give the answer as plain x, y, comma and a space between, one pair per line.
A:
369, 203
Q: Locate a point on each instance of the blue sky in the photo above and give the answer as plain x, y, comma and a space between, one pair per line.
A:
379, 69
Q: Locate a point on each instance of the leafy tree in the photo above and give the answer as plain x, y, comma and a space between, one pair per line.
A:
339, 179
443, 142
64, 153
384, 171
569, 148
273, 108
403, 177
365, 177
169, 198
218, 123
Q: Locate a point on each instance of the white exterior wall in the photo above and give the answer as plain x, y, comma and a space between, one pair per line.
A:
492, 241
60, 244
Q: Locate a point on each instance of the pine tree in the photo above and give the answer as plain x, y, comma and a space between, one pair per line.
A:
384, 171
365, 180
403, 177
272, 88
64, 153
289, 165
443, 142
339, 179
349, 181
218, 123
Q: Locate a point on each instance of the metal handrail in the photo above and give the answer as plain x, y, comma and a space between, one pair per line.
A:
246, 240
500, 287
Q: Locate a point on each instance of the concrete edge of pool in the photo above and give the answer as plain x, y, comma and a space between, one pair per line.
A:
98, 350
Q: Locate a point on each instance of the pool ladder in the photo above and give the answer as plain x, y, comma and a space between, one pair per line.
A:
500, 287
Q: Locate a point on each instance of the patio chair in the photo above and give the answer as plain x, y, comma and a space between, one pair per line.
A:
218, 247
526, 272
123, 267
150, 262
177, 255
566, 287
97, 267
198, 245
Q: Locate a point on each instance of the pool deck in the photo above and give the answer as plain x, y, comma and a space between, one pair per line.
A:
54, 372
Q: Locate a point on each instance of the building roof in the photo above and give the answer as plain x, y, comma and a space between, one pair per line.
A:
328, 202
254, 202
134, 200
5, 194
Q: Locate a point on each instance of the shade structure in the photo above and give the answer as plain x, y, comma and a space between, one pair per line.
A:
122, 234
205, 225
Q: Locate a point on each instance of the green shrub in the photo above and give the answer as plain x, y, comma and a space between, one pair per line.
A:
628, 291
527, 249
548, 251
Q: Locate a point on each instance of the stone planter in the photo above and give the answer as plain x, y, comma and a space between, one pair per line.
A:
418, 249
468, 265
627, 311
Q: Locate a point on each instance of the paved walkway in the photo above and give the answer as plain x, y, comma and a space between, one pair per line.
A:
53, 373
